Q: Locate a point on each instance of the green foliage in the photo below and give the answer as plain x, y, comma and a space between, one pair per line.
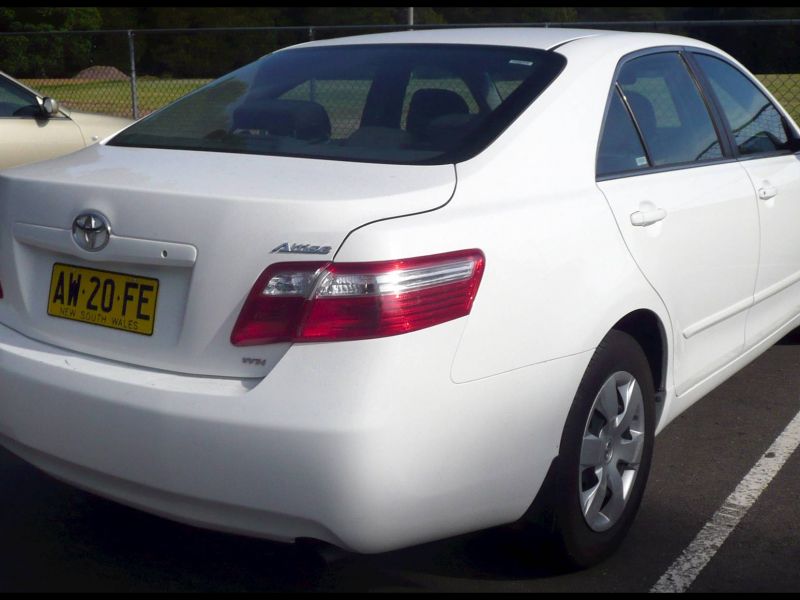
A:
165, 54
346, 15
38, 55
505, 14
203, 55
623, 13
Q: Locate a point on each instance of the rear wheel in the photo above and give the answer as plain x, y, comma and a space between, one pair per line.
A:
597, 482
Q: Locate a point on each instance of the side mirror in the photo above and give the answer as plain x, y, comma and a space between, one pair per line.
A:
49, 107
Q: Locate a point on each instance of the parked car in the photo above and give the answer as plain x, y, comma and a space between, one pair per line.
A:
386, 289
34, 127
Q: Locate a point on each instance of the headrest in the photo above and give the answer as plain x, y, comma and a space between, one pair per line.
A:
301, 119
429, 104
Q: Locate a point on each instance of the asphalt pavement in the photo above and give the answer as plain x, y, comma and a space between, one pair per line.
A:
56, 538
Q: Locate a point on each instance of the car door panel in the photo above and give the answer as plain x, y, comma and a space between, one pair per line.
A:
702, 258
777, 293
761, 137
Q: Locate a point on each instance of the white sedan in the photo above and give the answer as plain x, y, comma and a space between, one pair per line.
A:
386, 289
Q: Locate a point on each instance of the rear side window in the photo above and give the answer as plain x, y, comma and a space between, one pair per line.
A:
757, 126
671, 114
388, 103
620, 147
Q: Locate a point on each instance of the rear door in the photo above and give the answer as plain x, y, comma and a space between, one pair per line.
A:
761, 138
26, 138
685, 208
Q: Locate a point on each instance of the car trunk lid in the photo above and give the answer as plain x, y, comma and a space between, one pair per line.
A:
204, 225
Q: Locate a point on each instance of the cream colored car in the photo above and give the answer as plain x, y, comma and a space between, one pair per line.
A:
34, 128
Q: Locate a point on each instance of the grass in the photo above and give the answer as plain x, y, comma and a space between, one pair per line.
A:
786, 89
114, 97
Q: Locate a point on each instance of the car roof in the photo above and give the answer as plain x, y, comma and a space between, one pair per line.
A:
543, 38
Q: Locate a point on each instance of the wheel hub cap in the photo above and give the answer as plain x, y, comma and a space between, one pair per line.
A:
611, 451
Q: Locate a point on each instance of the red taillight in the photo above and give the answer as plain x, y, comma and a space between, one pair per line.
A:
276, 304
314, 302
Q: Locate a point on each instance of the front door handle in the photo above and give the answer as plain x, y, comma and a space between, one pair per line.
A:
643, 218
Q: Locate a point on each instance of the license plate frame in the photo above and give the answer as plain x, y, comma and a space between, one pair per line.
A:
85, 301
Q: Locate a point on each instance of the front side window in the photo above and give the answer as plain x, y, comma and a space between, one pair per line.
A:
757, 126
392, 103
671, 114
14, 101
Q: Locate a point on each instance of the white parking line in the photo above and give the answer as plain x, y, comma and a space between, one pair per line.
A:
696, 556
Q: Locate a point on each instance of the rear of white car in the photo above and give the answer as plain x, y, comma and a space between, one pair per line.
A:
227, 415
181, 331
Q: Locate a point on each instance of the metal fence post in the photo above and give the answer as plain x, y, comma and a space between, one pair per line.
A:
134, 89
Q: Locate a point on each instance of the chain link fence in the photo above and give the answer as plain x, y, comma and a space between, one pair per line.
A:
133, 73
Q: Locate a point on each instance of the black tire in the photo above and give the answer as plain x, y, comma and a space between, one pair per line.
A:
558, 507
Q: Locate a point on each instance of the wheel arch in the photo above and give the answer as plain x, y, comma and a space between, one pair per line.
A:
647, 328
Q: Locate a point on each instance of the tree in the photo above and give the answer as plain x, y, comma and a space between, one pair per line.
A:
505, 14
46, 56
191, 54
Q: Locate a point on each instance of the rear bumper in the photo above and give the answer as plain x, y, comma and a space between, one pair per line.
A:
370, 447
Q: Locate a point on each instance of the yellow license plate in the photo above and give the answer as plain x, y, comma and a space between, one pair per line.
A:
115, 300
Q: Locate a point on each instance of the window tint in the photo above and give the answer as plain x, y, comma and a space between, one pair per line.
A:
620, 147
669, 109
756, 124
14, 101
392, 103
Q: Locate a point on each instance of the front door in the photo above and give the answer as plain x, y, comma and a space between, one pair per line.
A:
762, 141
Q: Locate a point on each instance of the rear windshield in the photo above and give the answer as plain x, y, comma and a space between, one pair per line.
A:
398, 103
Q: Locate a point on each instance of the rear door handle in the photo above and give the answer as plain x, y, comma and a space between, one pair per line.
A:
767, 191
643, 218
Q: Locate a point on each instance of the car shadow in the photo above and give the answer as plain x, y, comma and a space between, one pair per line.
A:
141, 552
791, 339
493, 555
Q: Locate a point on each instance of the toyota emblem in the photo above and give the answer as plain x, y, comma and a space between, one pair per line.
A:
91, 231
